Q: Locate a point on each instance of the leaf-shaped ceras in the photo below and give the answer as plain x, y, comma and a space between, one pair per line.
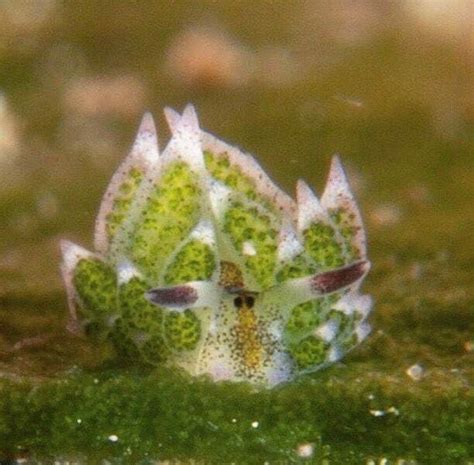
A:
202, 262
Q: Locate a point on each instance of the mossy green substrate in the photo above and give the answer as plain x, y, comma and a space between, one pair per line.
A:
131, 417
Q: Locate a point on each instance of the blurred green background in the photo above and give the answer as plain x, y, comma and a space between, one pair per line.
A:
387, 84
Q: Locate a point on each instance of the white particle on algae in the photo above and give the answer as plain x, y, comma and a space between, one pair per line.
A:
255, 424
415, 372
305, 450
113, 438
394, 411
385, 461
234, 420
79, 421
380, 413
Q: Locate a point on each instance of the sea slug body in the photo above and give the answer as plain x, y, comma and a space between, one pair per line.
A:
201, 262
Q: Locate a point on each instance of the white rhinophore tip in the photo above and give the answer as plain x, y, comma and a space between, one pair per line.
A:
309, 207
146, 141
172, 118
337, 186
186, 143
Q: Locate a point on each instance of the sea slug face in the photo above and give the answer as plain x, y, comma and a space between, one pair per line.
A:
202, 262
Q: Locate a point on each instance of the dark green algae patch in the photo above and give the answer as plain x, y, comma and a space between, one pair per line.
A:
130, 417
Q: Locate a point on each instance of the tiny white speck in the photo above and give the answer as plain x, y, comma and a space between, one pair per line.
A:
79, 421
96, 381
113, 438
415, 372
377, 413
248, 249
394, 411
255, 424
234, 420
305, 450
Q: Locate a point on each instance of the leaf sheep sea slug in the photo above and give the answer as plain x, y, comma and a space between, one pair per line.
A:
201, 262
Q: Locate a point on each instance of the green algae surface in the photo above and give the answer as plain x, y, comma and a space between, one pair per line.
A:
132, 417
396, 106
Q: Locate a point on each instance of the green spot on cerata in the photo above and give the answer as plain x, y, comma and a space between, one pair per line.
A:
309, 352
303, 319
122, 201
221, 169
135, 308
247, 223
154, 349
321, 244
172, 209
121, 336
182, 330
95, 283
346, 335
194, 262
298, 267
345, 322
344, 221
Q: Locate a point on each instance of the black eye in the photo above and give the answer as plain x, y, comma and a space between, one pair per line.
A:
249, 301
238, 302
